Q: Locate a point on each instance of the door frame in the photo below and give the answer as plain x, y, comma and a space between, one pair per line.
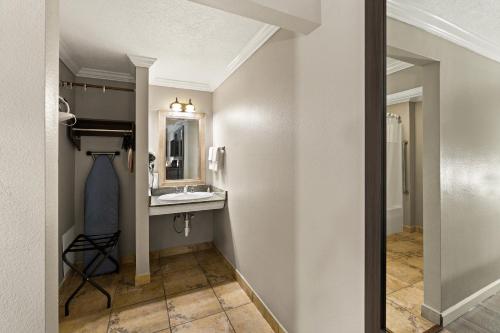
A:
375, 152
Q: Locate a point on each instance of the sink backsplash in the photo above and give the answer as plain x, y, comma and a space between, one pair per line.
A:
197, 188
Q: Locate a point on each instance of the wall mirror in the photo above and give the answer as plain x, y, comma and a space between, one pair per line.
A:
181, 148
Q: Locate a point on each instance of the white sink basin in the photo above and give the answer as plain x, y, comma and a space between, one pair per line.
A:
185, 196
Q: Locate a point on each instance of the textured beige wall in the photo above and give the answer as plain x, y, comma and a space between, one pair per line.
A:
141, 172
291, 119
404, 80
419, 142
254, 119
469, 148
329, 160
66, 167
161, 232
28, 177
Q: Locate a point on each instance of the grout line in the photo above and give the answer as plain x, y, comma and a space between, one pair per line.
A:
166, 300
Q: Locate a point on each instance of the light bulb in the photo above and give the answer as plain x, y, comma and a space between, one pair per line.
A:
176, 106
190, 107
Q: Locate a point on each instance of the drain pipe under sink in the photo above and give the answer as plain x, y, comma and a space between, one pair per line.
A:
187, 223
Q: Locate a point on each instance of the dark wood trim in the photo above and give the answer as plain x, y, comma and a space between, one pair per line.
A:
375, 104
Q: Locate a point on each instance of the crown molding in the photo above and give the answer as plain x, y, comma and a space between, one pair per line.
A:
105, 75
397, 66
411, 14
164, 82
141, 61
66, 58
262, 36
410, 95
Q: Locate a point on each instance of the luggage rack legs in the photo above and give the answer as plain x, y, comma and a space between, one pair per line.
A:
103, 244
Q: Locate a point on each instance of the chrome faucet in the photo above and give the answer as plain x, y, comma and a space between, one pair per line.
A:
186, 188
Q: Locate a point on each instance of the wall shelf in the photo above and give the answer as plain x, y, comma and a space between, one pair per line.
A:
99, 127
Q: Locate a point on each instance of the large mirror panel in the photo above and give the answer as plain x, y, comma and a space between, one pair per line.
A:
181, 148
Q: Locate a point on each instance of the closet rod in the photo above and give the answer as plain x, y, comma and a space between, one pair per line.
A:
88, 85
101, 130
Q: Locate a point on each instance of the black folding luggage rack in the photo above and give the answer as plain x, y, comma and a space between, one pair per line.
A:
104, 245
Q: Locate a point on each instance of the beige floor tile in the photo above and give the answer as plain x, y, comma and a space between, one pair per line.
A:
182, 281
89, 300
410, 298
419, 285
393, 284
193, 305
405, 247
146, 317
213, 324
414, 261
400, 270
95, 323
231, 295
208, 256
178, 263
128, 294
399, 320
217, 273
108, 282
247, 319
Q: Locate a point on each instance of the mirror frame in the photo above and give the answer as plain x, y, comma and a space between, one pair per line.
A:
162, 123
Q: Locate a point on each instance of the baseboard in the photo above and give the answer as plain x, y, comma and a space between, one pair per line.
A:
141, 280
256, 299
413, 228
431, 314
171, 251
468, 303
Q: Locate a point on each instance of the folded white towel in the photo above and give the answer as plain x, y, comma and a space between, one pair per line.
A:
210, 154
213, 158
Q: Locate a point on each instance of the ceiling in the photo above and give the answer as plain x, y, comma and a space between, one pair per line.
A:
196, 47
394, 65
473, 24
479, 17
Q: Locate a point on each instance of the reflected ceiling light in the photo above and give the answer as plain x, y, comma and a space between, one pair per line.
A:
176, 106
182, 107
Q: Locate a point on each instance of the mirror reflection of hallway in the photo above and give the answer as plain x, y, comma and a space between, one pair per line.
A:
443, 78
404, 213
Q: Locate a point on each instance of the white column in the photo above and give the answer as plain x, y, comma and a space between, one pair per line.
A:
142, 65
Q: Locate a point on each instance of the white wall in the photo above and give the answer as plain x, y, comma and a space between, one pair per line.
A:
29, 132
469, 150
291, 119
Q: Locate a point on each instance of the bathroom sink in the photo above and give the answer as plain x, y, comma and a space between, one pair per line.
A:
186, 196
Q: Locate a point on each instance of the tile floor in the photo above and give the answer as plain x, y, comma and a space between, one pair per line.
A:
484, 318
188, 293
404, 286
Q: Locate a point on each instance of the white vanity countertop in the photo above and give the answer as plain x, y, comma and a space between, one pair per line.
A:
166, 207
155, 202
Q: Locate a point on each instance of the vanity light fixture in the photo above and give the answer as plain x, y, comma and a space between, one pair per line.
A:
176, 106
182, 107
189, 107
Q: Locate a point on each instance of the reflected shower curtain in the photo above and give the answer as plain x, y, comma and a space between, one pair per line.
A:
394, 164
